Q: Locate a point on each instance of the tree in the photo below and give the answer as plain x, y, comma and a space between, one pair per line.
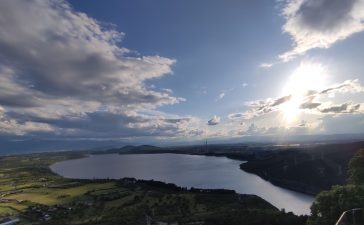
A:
356, 168
329, 205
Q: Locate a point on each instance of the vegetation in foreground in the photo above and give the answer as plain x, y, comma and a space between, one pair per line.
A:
30, 191
329, 205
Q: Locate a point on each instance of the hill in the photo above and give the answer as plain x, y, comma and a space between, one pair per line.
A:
309, 170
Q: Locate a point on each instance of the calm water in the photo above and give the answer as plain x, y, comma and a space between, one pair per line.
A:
186, 171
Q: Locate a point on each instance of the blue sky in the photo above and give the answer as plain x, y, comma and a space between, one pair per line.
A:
216, 45
166, 71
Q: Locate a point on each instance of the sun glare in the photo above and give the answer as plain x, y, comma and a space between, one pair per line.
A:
307, 77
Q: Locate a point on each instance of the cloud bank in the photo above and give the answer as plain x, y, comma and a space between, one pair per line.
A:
64, 74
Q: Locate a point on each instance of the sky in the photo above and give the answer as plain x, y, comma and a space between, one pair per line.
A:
169, 72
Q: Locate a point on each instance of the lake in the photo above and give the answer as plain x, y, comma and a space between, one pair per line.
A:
186, 171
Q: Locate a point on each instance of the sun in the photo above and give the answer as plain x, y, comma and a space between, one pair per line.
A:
307, 77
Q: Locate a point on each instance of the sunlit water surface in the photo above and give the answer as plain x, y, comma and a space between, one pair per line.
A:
186, 171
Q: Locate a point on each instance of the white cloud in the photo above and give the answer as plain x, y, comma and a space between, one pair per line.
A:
62, 71
266, 65
221, 96
320, 23
11, 126
169, 91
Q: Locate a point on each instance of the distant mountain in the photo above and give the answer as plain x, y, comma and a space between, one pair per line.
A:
130, 149
35, 145
15, 146
139, 148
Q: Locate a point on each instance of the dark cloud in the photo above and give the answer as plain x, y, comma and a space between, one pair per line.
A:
236, 115
18, 101
262, 107
214, 121
309, 101
310, 105
335, 109
281, 100
302, 124
320, 23
343, 108
322, 15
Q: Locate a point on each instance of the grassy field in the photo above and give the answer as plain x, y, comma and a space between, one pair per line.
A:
30, 191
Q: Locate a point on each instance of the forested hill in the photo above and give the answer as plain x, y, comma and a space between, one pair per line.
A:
308, 170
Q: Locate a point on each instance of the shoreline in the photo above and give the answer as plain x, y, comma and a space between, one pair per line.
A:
276, 182
241, 190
